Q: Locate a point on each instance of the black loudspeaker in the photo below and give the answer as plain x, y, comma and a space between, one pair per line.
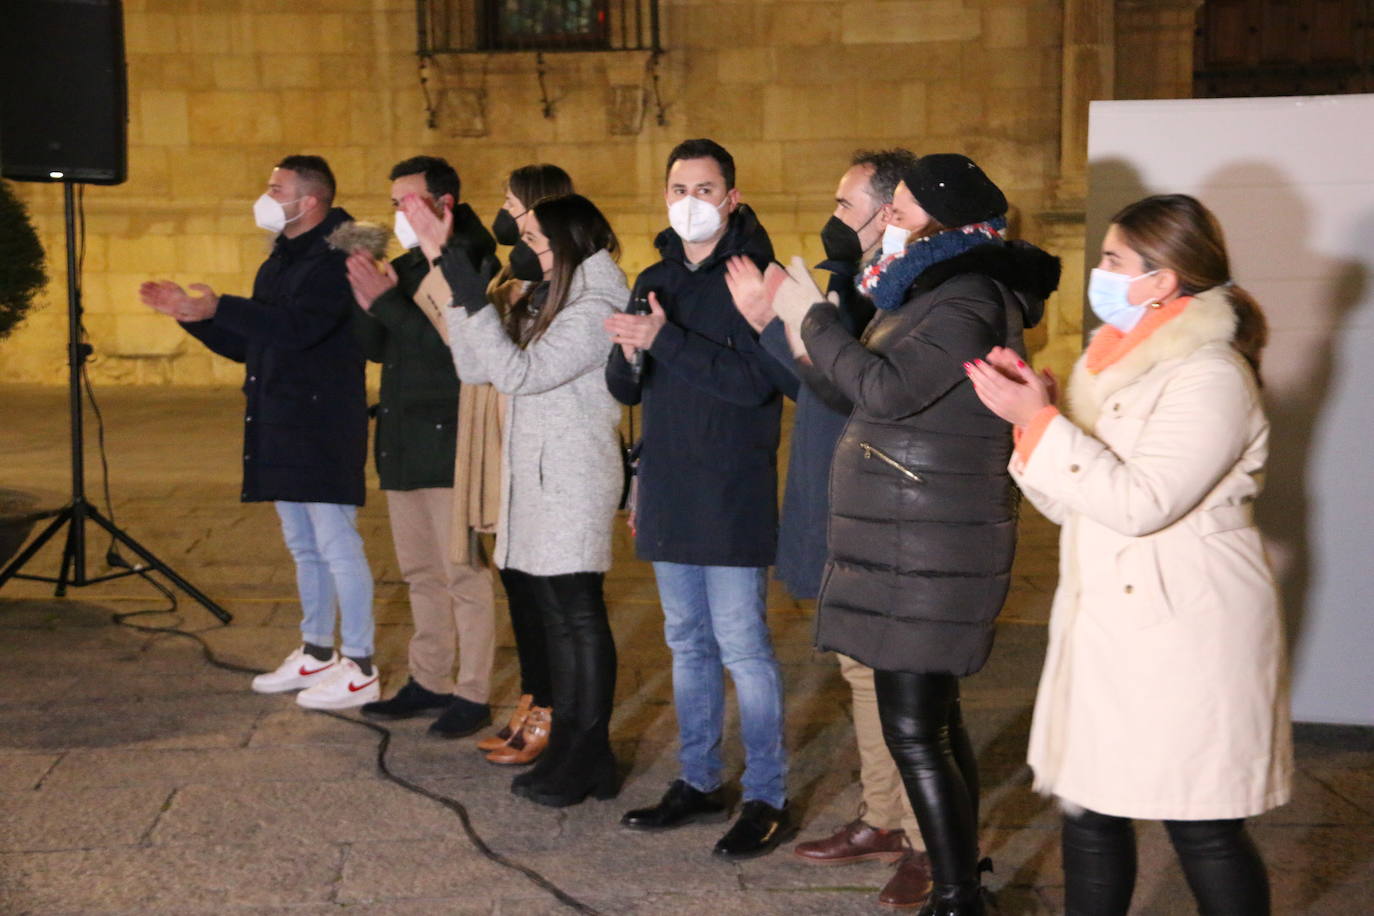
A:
63, 92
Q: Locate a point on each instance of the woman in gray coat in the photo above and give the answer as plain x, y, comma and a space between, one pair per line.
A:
562, 472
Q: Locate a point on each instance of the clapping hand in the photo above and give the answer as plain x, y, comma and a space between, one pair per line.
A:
636, 332
796, 293
368, 279
749, 292
1010, 388
170, 299
432, 231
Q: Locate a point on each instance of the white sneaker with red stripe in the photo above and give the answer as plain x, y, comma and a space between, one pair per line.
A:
343, 688
299, 670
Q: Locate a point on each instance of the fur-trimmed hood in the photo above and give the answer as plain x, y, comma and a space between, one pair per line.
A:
1208, 319
1029, 272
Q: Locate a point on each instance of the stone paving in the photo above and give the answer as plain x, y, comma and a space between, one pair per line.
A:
137, 778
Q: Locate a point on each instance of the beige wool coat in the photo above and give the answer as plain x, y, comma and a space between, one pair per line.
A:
1164, 694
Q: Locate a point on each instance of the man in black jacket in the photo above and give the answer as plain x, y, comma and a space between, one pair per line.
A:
305, 427
856, 233
706, 505
417, 421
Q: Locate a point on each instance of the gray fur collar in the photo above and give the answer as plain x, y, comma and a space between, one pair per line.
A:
1207, 319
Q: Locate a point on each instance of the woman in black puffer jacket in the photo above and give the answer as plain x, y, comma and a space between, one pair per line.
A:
922, 510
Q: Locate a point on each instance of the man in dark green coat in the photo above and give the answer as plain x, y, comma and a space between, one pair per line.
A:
417, 420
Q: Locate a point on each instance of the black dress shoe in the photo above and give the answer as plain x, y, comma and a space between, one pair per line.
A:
410, 700
462, 718
680, 805
760, 829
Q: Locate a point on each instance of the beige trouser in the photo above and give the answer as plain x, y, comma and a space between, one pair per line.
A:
887, 806
448, 600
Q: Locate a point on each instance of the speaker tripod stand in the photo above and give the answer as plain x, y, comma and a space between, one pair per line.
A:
79, 511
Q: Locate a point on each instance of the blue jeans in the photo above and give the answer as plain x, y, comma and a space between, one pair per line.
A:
330, 565
713, 616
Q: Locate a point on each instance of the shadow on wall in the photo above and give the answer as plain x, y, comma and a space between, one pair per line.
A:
1112, 184
1298, 367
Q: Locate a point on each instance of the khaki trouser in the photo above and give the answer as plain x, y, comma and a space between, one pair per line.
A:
448, 601
885, 800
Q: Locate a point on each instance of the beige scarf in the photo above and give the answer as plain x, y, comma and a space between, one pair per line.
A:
477, 462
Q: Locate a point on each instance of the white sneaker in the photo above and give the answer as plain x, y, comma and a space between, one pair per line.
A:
299, 670
343, 688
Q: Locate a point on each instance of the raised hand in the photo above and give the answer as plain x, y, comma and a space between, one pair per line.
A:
432, 231
1010, 388
636, 332
367, 279
796, 293
170, 299
749, 292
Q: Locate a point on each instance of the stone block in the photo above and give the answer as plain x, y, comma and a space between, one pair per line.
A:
877, 21
236, 118
78, 818
749, 65
581, 114
283, 33
814, 25
202, 254
280, 71
216, 173
205, 33
162, 117
150, 33
1006, 27
147, 254
235, 71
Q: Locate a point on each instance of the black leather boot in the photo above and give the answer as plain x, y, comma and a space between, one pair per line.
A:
964, 899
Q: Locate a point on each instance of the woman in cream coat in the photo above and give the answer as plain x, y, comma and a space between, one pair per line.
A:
1164, 693
561, 469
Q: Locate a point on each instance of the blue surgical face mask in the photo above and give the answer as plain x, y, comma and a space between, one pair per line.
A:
1107, 294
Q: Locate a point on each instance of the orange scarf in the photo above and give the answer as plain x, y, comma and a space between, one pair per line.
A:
1110, 344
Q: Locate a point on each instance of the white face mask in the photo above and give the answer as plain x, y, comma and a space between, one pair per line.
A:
694, 219
1107, 295
269, 214
894, 239
404, 234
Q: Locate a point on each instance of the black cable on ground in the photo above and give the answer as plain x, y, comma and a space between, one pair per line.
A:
457, 807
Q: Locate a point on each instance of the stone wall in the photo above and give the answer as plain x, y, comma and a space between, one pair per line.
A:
220, 89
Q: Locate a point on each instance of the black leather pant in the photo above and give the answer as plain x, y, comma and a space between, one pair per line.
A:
924, 731
581, 656
527, 623
1223, 867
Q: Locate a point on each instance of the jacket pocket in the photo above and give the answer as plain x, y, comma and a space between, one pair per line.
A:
873, 452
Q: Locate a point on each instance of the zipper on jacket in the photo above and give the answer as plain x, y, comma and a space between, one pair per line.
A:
872, 450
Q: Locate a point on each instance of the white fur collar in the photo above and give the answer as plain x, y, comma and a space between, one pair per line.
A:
1207, 319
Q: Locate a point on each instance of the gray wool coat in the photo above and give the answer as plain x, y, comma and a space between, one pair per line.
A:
561, 470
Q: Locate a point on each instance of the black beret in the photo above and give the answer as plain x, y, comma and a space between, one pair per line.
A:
954, 190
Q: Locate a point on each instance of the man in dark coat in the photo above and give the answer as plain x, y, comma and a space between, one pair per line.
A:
705, 511
414, 448
854, 235
305, 426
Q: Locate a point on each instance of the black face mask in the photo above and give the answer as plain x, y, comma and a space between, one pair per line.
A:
524, 263
841, 242
504, 228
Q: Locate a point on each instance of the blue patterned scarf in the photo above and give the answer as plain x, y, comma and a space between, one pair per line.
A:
887, 279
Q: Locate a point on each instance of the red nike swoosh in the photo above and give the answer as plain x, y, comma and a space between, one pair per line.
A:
305, 673
354, 688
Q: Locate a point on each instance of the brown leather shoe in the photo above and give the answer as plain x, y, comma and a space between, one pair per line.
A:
529, 742
910, 886
517, 719
856, 841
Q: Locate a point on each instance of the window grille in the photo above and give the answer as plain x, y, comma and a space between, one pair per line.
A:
474, 26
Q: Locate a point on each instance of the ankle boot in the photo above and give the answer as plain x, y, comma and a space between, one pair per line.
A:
964, 899
526, 745
517, 719
582, 772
